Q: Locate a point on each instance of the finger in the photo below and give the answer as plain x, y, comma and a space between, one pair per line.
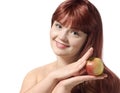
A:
80, 79
90, 77
82, 65
86, 55
82, 61
82, 72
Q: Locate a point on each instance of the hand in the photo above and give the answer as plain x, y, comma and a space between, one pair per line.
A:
72, 69
65, 86
70, 75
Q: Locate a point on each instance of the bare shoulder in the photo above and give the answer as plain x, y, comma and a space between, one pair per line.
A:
36, 75
42, 72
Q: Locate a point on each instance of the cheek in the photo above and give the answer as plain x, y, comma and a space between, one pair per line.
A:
77, 43
52, 37
53, 34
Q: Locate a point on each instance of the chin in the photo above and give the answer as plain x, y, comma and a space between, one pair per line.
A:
60, 53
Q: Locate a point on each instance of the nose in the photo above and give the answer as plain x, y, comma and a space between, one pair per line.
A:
63, 36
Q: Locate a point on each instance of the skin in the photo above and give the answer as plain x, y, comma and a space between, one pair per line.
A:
63, 74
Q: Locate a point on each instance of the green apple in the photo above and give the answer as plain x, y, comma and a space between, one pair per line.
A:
94, 66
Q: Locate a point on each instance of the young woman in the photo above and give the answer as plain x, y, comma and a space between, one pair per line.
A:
76, 35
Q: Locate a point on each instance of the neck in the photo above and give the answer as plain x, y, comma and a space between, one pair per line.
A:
63, 61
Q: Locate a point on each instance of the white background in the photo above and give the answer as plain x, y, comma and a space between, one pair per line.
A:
24, 38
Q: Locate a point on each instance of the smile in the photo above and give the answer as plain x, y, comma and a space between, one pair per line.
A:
61, 45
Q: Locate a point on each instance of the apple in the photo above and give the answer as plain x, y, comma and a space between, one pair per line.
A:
94, 66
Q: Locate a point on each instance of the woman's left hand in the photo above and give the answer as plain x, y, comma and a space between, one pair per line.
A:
66, 85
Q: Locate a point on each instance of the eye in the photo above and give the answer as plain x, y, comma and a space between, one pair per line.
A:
75, 33
58, 26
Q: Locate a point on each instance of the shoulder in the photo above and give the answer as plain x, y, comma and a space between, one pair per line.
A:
40, 72
36, 75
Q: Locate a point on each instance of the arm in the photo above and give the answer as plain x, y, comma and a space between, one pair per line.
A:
30, 84
47, 84
59, 81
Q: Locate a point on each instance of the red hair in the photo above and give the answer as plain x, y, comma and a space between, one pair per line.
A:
83, 15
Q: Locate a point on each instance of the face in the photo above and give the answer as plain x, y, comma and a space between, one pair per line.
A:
66, 41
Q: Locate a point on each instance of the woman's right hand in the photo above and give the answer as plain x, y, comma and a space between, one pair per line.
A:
73, 69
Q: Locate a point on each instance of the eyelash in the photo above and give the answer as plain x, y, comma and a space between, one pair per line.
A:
58, 25
75, 33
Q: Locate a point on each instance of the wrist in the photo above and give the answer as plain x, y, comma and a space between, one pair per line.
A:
52, 77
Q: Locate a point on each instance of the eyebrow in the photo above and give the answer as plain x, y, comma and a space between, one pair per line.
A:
59, 23
69, 28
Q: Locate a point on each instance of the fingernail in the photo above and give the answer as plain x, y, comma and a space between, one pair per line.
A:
91, 48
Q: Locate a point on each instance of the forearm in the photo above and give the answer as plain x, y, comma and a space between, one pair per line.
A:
44, 86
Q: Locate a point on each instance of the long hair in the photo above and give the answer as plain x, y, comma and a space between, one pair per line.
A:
83, 15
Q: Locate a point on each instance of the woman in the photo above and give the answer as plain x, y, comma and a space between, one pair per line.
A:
76, 35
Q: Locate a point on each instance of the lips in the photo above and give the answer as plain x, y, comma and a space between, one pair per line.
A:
61, 45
